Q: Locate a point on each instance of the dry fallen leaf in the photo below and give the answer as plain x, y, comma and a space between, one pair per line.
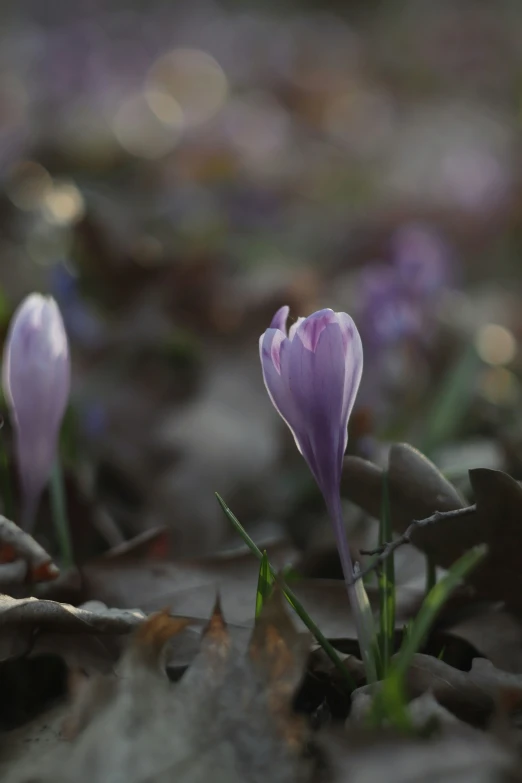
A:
471, 696
493, 632
22, 559
417, 489
230, 718
457, 755
30, 625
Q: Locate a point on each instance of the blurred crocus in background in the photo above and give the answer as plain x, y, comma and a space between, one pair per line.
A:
312, 374
36, 380
398, 299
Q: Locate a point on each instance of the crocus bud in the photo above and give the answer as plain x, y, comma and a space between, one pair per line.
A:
312, 374
36, 380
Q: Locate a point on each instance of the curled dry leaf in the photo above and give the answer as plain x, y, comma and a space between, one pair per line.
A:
493, 632
417, 489
472, 696
32, 625
458, 754
230, 718
25, 559
189, 588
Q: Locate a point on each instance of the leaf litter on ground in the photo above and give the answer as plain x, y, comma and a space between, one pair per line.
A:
418, 489
229, 719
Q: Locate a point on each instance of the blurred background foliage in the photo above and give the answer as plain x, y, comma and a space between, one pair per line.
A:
174, 172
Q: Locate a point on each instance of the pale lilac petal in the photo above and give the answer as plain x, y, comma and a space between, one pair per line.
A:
294, 327
353, 357
36, 380
280, 318
317, 387
273, 350
309, 330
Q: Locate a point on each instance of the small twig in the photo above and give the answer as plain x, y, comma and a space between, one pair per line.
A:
386, 550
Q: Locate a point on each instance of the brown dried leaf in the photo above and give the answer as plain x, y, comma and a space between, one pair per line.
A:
494, 633
189, 588
499, 523
416, 489
458, 754
60, 628
17, 546
229, 719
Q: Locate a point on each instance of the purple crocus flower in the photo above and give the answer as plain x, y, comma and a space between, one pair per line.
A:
312, 374
36, 380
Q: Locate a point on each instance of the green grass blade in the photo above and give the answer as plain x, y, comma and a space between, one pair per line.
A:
291, 598
450, 402
386, 578
390, 703
432, 605
264, 583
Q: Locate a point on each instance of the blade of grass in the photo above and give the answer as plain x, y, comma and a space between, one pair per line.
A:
59, 512
386, 578
290, 597
432, 605
389, 704
450, 402
264, 583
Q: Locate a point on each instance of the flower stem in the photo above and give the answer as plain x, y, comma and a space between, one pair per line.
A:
357, 595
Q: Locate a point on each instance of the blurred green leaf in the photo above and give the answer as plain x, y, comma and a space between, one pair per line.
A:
264, 583
290, 597
450, 402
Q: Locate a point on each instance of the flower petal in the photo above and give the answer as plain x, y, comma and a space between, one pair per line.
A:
36, 379
280, 318
317, 380
273, 350
353, 358
310, 329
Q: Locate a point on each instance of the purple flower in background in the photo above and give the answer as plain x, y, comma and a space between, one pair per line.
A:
422, 260
312, 374
388, 313
398, 299
83, 325
36, 380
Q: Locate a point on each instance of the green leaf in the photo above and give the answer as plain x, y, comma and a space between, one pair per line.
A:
290, 597
451, 401
264, 583
390, 701
432, 605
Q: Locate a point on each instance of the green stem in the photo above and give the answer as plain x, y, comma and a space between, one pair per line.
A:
291, 598
59, 509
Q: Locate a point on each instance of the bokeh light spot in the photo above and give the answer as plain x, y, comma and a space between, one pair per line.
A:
194, 79
141, 132
495, 345
63, 204
28, 185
